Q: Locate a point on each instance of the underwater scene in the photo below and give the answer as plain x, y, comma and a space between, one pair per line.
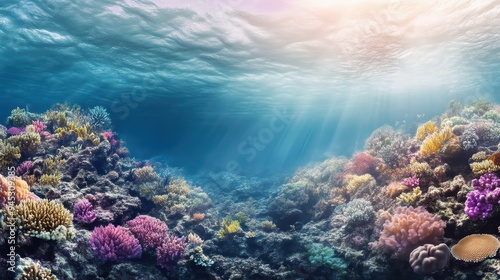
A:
235, 140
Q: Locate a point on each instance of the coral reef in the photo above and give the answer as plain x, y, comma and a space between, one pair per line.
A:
112, 243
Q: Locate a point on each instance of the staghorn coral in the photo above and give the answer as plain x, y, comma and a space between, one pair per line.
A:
42, 218
50, 180
476, 247
112, 243
485, 166
30, 270
411, 197
407, 229
52, 165
425, 130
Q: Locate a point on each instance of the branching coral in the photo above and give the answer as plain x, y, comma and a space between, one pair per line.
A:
150, 231
42, 218
145, 174
411, 197
112, 243
485, 166
30, 270
28, 143
9, 154
170, 252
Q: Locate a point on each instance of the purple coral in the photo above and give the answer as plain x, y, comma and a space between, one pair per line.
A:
170, 252
411, 182
84, 212
15, 130
24, 168
481, 200
112, 243
150, 231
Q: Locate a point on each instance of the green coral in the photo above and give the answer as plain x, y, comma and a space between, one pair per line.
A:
28, 143
18, 118
9, 155
325, 256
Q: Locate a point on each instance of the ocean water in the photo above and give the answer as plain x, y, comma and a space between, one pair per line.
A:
248, 100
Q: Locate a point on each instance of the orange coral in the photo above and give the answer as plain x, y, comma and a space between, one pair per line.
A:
198, 216
394, 189
495, 157
21, 190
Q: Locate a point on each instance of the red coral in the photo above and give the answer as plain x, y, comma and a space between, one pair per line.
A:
362, 163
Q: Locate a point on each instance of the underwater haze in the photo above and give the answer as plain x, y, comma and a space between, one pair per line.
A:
198, 81
249, 139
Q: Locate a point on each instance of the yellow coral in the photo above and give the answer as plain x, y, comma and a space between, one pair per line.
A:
51, 164
145, 174
479, 156
433, 143
419, 168
50, 180
485, 166
9, 154
33, 270
27, 143
411, 197
228, 227
426, 129
355, 182
42, 218
81, 131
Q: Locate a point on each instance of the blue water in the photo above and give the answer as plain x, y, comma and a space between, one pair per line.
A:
203, 84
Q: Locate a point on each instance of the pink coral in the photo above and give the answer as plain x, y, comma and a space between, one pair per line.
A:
150, 231
411, 182
39, 126
112, 243
409, 228
362, 163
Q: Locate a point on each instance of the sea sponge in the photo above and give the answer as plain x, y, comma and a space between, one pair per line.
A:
42, 218
426, 129
428, 258
476, 247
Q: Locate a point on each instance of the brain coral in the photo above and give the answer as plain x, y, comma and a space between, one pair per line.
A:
428, 258
409, 228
